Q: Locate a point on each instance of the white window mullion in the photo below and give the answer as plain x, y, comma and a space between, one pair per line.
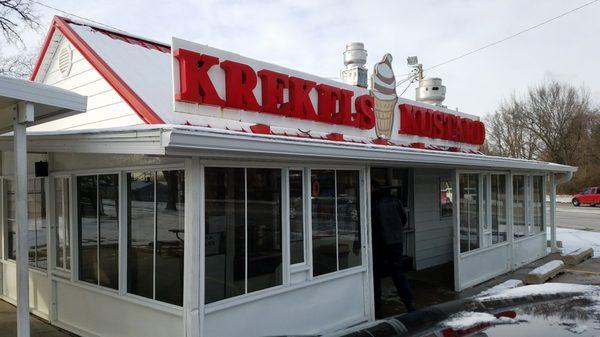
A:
307, 201
337, 245
154, 230
245, 230
285, 224
98, 203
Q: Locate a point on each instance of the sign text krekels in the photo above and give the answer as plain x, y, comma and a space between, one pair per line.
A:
334, 105
240, 81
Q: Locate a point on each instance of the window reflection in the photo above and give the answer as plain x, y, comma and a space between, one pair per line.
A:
225, 232
469, 211
335, 206
538, 203
263, 228
323, 221
498, 208
240, 201
296, 217
87, 206
519, 225
62, 233
170, 210
98, 222
348, 219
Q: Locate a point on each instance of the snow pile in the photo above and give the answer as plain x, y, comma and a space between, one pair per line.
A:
575, 328
573, 239
543, 289
508, 284
468, 319
546, 268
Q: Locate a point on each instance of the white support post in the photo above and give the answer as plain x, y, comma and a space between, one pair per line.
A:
553, 246
23, 114
193, 296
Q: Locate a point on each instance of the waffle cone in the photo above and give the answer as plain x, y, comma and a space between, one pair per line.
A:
384, 117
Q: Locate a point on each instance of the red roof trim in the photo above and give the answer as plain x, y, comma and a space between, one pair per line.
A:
136, 103
45, 46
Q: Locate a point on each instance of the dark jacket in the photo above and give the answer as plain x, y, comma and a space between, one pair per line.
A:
389, 219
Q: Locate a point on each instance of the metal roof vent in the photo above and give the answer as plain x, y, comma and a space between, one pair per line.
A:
431, 91
65, 60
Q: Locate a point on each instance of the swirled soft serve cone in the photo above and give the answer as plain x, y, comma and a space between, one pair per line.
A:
383, 89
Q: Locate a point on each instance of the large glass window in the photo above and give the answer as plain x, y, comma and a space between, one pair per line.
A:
538, 204
335, 208
445, 198
155, 211
243, 231
498, 204
37, 222
469, 211
519, 215
296, 217
62, 232
98, 224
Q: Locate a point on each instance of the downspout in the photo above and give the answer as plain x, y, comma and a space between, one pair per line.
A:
565, 177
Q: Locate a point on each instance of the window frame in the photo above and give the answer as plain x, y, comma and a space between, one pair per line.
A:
124, 232
46, 197
66, 205
294, 267
362, 219
450, 182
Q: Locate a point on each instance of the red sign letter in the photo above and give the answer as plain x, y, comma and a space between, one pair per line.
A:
300, 104
273, 84
240, 80
194, 84
364, 109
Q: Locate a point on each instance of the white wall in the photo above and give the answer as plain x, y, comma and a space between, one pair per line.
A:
433, 235
105, 107
313, 308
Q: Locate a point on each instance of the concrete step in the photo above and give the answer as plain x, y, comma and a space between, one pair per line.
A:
545, 272
577, 256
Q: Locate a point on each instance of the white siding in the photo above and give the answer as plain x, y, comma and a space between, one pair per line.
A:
105, 107
433, 235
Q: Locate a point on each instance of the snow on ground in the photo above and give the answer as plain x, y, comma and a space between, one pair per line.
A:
544, 289
573, 239
508, 284
547, 267
468, 319
563, 198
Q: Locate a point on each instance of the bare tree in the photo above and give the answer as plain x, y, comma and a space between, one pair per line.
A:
19, 66
554, 122
560, 116
506, 137
14, 14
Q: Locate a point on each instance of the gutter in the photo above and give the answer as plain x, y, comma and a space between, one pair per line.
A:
565, 177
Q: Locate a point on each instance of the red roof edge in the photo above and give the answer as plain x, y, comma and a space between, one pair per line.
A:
136, 103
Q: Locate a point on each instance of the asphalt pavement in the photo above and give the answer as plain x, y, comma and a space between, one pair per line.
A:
582, 217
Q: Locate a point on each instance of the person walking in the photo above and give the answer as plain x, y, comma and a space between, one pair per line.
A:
389, 218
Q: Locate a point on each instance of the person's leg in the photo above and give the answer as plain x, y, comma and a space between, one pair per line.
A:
377, 274
394, 255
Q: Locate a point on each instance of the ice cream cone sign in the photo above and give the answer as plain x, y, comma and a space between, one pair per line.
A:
383, 90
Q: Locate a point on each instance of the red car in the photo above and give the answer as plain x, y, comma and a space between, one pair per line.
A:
589, 196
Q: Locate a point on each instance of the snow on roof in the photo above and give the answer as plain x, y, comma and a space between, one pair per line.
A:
144, 66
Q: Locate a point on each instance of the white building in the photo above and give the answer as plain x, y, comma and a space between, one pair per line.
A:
203, 193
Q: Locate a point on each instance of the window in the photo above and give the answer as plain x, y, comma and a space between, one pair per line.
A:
469, 211
445, 198
296, 217
155, 224
243, 231
335, 208
37, 236
98, 229
62, 233
498, 204
519, 224
538, 204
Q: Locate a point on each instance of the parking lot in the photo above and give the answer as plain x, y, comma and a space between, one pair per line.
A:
582, 217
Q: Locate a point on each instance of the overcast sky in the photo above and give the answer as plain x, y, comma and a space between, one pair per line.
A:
311, 36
